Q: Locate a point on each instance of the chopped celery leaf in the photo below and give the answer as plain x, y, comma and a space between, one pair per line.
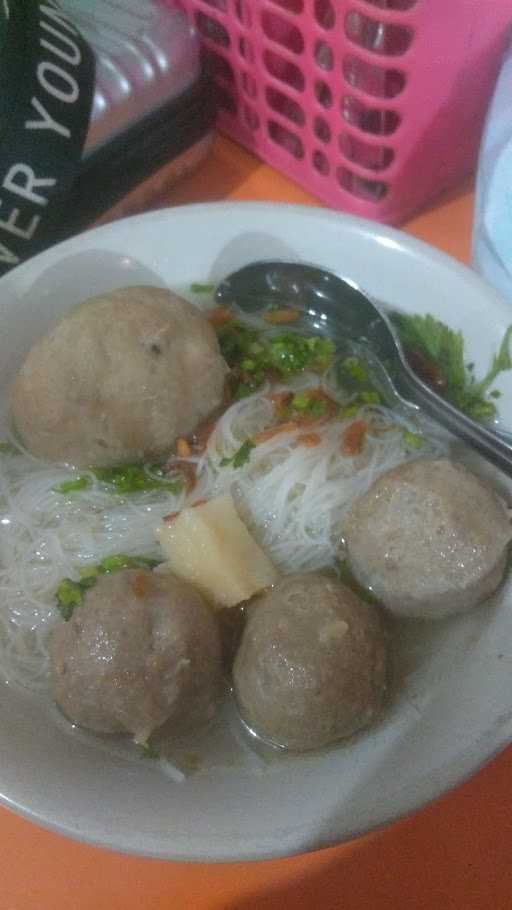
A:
444, 348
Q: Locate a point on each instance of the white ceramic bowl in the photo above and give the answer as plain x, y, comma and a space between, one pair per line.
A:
453, 708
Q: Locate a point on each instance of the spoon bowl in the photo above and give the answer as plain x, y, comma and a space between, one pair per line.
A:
336, 307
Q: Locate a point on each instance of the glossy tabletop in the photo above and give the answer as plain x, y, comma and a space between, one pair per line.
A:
453, 855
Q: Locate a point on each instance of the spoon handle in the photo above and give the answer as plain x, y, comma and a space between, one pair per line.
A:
492, 446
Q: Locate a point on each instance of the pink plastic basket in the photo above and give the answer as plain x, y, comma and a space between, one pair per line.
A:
374, 106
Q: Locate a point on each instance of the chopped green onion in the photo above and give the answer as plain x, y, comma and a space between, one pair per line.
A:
155, 468
90, 573
242, 390
7, 448
122, 561
149, 751
318, 407
412, 440
244, 453
369, 396
235, 342
88, 580
197, 288
301, 402
72, 486
70, 594
254, 356
124, 479
354, 368
308, 404
291, 353
136, 478
241, 456
348, 410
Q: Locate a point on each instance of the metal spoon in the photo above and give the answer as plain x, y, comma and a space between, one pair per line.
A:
332, 306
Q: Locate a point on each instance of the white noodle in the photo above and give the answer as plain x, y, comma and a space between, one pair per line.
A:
46, 536
292, 497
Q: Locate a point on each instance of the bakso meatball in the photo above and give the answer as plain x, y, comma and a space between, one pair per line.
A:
142, 649
312, 664
429, 538
119, 379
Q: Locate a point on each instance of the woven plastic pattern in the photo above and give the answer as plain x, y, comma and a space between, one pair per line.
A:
372, 105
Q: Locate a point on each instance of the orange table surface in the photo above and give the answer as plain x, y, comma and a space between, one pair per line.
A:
453, 855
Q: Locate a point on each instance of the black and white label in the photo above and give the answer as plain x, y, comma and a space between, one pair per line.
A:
52, 85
